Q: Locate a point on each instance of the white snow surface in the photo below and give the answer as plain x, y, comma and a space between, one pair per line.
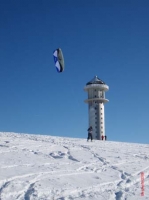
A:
39, 167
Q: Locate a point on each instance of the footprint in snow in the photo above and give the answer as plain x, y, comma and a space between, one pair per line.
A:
58, 154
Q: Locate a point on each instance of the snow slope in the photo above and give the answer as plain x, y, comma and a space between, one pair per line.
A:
37, 167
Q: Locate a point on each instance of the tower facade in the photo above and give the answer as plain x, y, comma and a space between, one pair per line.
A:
96, 89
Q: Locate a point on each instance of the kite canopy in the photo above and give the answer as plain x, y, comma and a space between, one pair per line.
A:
59, 60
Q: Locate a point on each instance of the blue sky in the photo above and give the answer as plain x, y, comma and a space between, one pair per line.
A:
106, 38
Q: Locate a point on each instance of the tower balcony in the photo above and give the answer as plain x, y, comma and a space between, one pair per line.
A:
97, 100
101, 87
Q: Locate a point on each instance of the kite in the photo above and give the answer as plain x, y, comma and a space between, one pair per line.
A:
59, 60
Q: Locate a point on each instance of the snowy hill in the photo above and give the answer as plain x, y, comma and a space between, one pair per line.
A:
35, 167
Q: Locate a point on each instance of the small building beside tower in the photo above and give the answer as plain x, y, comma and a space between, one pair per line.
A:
96, 89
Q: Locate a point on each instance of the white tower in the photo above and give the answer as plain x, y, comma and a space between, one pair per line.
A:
96, 98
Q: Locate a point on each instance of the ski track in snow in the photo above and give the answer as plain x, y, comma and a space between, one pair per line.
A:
54, 168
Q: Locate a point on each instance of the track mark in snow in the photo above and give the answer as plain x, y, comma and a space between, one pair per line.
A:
29, 192
119, 195
103, 160
127, 181
6, 141
73, 159
142, 156
90, 191
57, 154
85, 147
3, 187
69, 155
145, 170
2, 145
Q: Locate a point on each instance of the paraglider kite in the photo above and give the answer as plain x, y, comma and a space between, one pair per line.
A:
59, 60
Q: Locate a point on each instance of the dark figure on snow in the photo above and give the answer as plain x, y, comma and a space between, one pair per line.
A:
105, 137
90, 130
102, 137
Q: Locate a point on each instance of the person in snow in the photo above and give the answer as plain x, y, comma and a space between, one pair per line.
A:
90, 130
105, 137
102, 137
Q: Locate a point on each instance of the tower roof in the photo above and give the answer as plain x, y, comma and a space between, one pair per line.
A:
95, 80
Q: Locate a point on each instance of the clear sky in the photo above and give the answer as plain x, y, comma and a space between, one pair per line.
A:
106, 38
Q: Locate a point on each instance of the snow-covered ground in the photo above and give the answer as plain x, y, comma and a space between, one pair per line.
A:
38, 167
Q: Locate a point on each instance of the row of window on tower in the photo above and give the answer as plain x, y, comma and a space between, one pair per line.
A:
96, 122
100, 93
101, 123
101, 96
96, 113
97, 102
